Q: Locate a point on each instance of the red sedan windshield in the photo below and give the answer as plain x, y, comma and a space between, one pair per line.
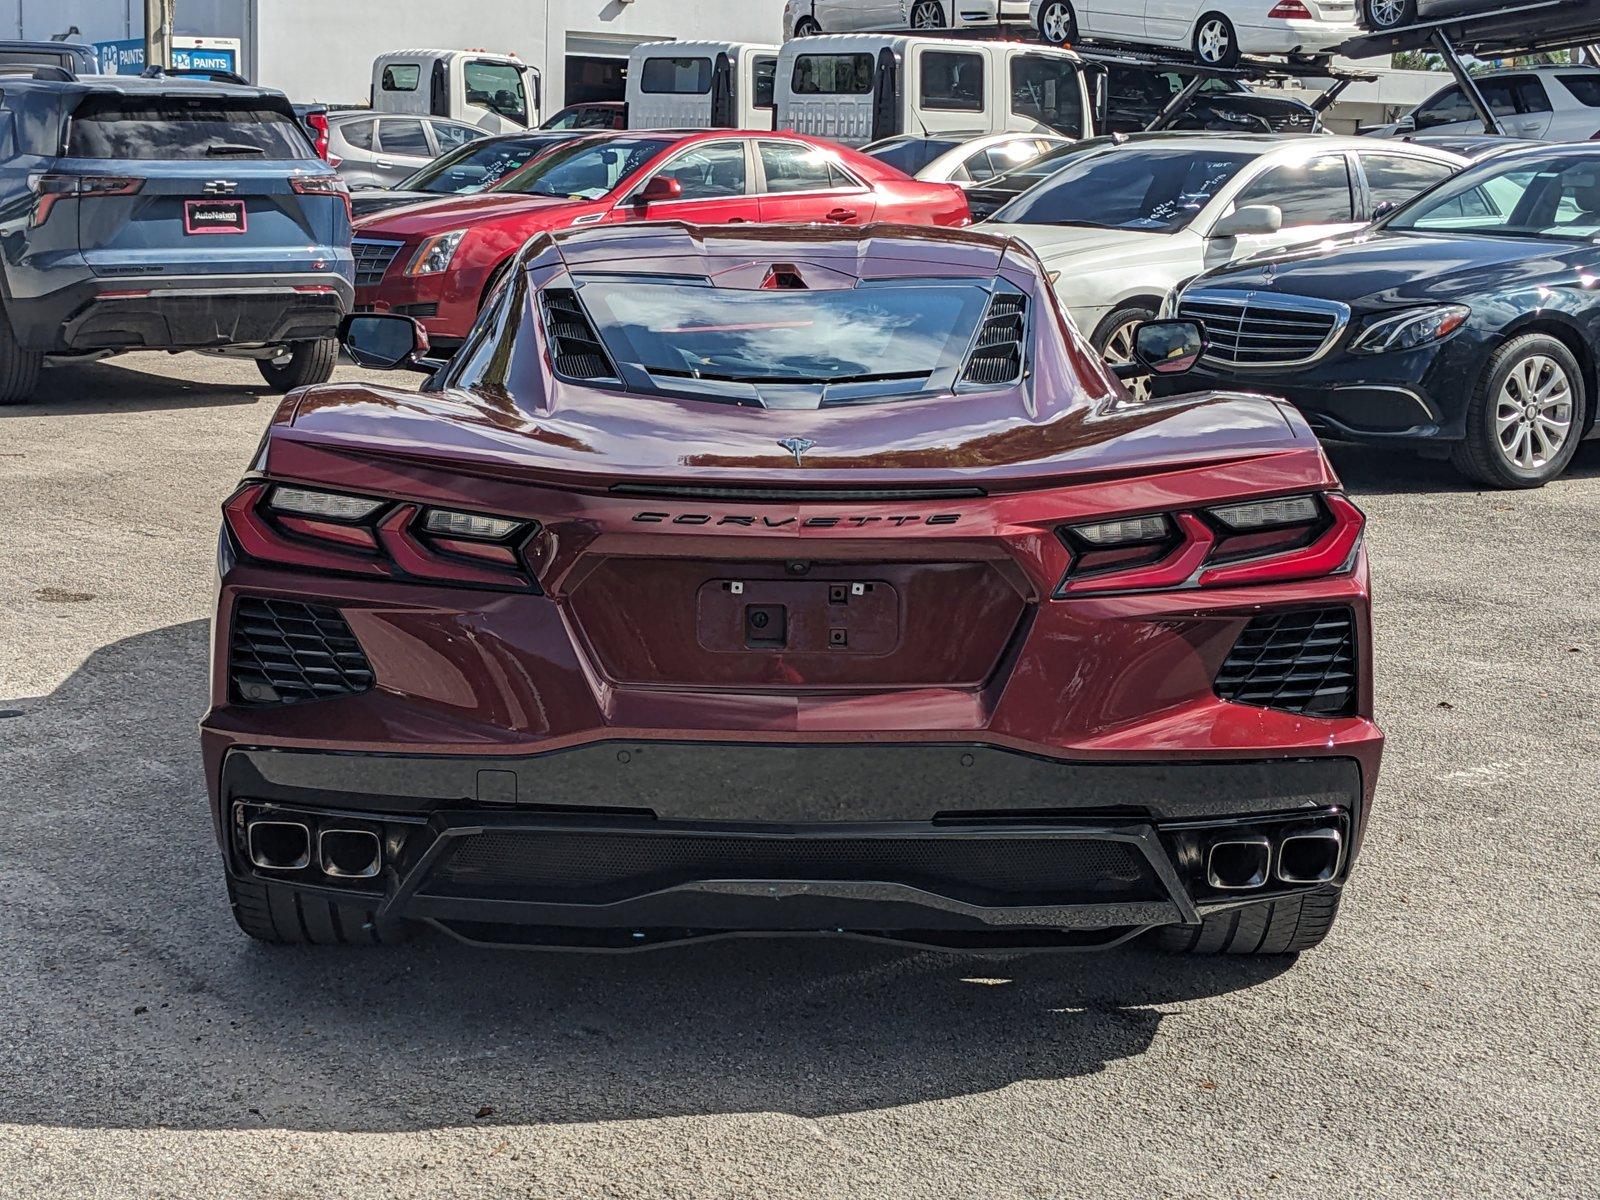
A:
586, 170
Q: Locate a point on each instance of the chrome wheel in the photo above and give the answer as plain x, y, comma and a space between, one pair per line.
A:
927, 14
1056, 23
1119, 351
1213, 40
1385, 14
1533, 413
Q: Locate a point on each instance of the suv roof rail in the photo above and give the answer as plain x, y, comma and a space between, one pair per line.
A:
49, 74
215, 76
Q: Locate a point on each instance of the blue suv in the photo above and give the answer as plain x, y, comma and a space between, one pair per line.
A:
163, 214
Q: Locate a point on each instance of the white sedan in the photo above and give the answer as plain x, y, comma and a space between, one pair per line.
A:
1120, 226
1217, 31
802, 18
962, 159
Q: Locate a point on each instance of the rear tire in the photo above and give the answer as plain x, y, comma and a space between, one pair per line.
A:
807, 27
1383, 15
285, 916
1485, 457
1058, 24
927, 14
1285, 926
1215, 42
19, 368
308, 363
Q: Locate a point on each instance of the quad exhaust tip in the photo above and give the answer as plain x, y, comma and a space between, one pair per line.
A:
349, 853
1310, 856
278, 845
1239, 863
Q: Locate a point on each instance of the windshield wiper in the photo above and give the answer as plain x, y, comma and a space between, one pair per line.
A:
781, 380
220, 148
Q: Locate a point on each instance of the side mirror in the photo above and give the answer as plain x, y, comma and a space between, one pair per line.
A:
1406, 124
657, 189
1384, 209
1168, 347
1252, 218
384, 342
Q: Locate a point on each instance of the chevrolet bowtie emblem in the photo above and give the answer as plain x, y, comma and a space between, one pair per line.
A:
796, 447
220, 187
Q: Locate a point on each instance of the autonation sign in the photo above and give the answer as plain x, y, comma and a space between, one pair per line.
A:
126, 57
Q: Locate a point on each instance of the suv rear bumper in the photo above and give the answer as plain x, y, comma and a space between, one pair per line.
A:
619, 845
184, 312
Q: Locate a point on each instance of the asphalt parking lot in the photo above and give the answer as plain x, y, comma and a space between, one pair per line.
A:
1442, 1043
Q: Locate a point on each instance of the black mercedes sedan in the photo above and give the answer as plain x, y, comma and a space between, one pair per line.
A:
1466, 322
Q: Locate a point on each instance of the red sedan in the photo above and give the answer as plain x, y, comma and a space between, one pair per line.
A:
438, 261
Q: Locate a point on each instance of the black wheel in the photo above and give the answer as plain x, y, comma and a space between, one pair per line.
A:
807, 27
305, 363
1285, 926
1215, 43
19, 368
276, 913
1388, 14
927, 14
1112, 340
1526, 415
1058, 24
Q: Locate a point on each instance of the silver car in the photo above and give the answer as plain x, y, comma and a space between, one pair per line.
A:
380, 149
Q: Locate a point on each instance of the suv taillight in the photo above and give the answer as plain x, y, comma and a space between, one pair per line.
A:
51, 189
322, 185
319, 123
1258, 541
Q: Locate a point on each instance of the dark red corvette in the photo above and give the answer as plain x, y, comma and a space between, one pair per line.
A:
437, 262
788, 580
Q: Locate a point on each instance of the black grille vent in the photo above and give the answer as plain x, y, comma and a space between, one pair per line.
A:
1303, 662
997, 358
574, 344
372, 259
598, 867
284, 652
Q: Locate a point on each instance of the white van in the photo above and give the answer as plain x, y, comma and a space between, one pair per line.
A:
701, 85
856, 88
499, 93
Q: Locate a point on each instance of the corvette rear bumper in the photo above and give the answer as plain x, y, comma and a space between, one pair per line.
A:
627, 845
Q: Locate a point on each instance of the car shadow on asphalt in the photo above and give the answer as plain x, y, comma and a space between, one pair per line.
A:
134, 1002
83, 389
1383, 470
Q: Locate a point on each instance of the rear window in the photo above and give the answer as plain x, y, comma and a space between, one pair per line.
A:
1584, 88
865, 343
158, 127
401, 77
909, 155
35, 58
676, 76
832, 75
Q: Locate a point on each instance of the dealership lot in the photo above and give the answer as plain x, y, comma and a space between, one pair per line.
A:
1441, 1042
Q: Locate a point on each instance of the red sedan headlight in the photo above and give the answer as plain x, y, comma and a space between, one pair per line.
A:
1257, 541
361, 535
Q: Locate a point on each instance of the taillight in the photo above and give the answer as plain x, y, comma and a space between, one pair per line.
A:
52, 189
322, 185
319, 124
1290, 8
334, 531
1256, 541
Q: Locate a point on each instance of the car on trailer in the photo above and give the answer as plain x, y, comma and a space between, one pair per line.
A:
1463, 325
165, 214
1552, 104
807, 18
440, 261
777, 580
1216, 32
1122, 224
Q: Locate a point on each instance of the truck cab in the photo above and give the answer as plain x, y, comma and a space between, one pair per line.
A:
499, 93
701, 85
860, 88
